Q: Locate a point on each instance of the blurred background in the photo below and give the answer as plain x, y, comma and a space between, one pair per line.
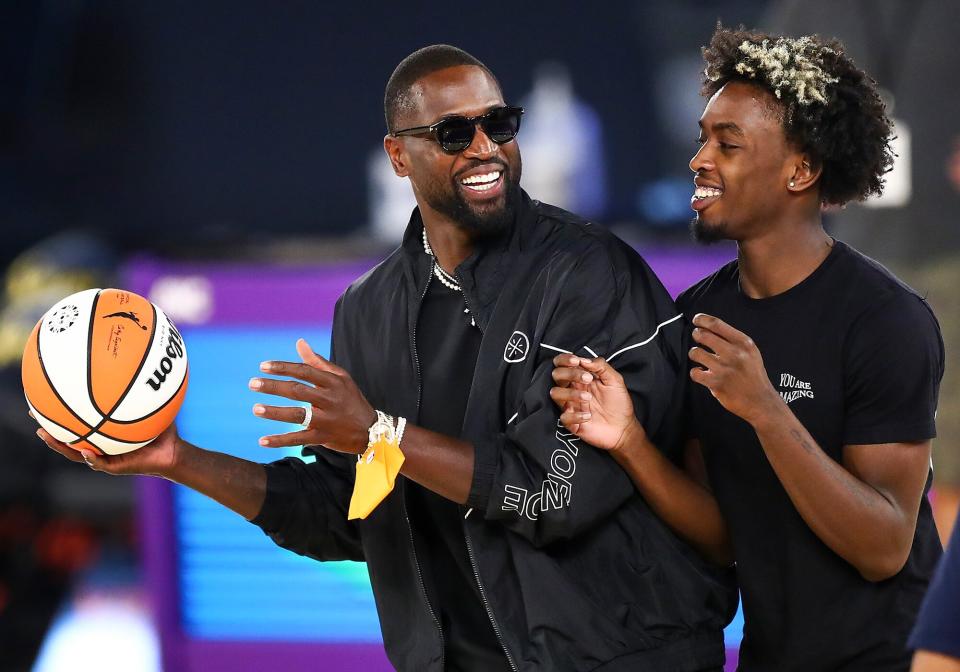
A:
224, 159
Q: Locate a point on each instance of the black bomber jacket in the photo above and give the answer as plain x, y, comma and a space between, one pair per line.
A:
576, 572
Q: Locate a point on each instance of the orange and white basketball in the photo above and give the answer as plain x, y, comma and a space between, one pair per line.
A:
105, 370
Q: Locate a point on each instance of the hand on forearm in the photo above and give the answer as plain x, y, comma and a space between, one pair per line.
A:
593, 398
596, 406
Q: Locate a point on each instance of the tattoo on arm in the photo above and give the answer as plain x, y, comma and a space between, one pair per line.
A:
802, 441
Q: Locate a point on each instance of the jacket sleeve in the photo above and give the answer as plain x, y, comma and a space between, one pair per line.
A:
535, 477
305, 509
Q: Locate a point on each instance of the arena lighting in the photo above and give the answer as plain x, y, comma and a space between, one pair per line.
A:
110, 634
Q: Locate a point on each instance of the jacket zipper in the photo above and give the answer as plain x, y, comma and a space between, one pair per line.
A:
423, 590
466, 536
483, 596
413, 546
466, 301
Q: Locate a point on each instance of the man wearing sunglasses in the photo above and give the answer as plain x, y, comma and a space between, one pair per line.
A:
507, 543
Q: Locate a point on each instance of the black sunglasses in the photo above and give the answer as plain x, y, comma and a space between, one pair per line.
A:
456, 133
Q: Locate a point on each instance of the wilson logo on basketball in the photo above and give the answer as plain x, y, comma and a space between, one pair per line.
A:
174, 351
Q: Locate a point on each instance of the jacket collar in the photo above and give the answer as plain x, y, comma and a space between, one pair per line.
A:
482, 274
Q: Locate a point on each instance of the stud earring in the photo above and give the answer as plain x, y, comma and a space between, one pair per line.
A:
791, 183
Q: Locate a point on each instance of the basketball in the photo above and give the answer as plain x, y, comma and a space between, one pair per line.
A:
105, 370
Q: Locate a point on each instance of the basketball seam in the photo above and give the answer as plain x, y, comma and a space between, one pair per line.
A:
107, 436
159, 408
133, 379
92, 322
53, 422
53, 388
130, 422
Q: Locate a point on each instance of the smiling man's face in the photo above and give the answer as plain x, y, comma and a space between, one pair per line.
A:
478, 187
743, 165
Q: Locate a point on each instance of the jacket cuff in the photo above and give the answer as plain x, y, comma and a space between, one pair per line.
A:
281, 486
486, 460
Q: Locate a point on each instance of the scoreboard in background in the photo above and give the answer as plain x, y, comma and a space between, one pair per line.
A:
224, 596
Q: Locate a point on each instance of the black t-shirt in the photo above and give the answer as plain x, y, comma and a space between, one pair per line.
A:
447, 347
858, 357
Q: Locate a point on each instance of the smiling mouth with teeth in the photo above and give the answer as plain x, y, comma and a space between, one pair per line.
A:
702, 193
482, 182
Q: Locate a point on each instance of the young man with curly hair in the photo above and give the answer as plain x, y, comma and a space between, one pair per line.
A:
815, 372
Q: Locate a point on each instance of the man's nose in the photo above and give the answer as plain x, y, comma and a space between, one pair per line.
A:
702, 160
481, 147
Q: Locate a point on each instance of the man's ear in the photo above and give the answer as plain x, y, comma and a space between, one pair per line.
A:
806, 173
398, 157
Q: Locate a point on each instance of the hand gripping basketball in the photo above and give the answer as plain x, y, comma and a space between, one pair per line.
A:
156, 458
104, 371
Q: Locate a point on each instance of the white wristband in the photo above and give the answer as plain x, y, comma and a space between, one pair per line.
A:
381, 428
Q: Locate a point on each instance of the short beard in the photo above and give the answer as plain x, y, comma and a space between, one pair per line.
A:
489, 225
481, 225
707, 235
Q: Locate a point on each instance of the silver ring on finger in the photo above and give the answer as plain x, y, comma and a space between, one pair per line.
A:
307, 416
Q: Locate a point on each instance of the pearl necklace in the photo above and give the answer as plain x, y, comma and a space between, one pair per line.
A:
445, 278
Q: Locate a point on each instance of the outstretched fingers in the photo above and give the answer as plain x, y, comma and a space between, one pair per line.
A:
290, 389
316, 361
302, 438
295, 415
302, 372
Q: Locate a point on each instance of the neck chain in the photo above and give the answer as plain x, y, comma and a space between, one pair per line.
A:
445, 278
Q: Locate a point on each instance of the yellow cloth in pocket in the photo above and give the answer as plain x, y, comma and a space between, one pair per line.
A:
377, 471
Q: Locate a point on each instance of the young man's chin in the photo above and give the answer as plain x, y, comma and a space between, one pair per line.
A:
705, 233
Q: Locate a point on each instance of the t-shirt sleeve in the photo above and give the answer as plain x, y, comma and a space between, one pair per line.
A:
893, 364
938, 625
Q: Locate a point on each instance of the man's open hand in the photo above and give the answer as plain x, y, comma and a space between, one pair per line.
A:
341, 414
